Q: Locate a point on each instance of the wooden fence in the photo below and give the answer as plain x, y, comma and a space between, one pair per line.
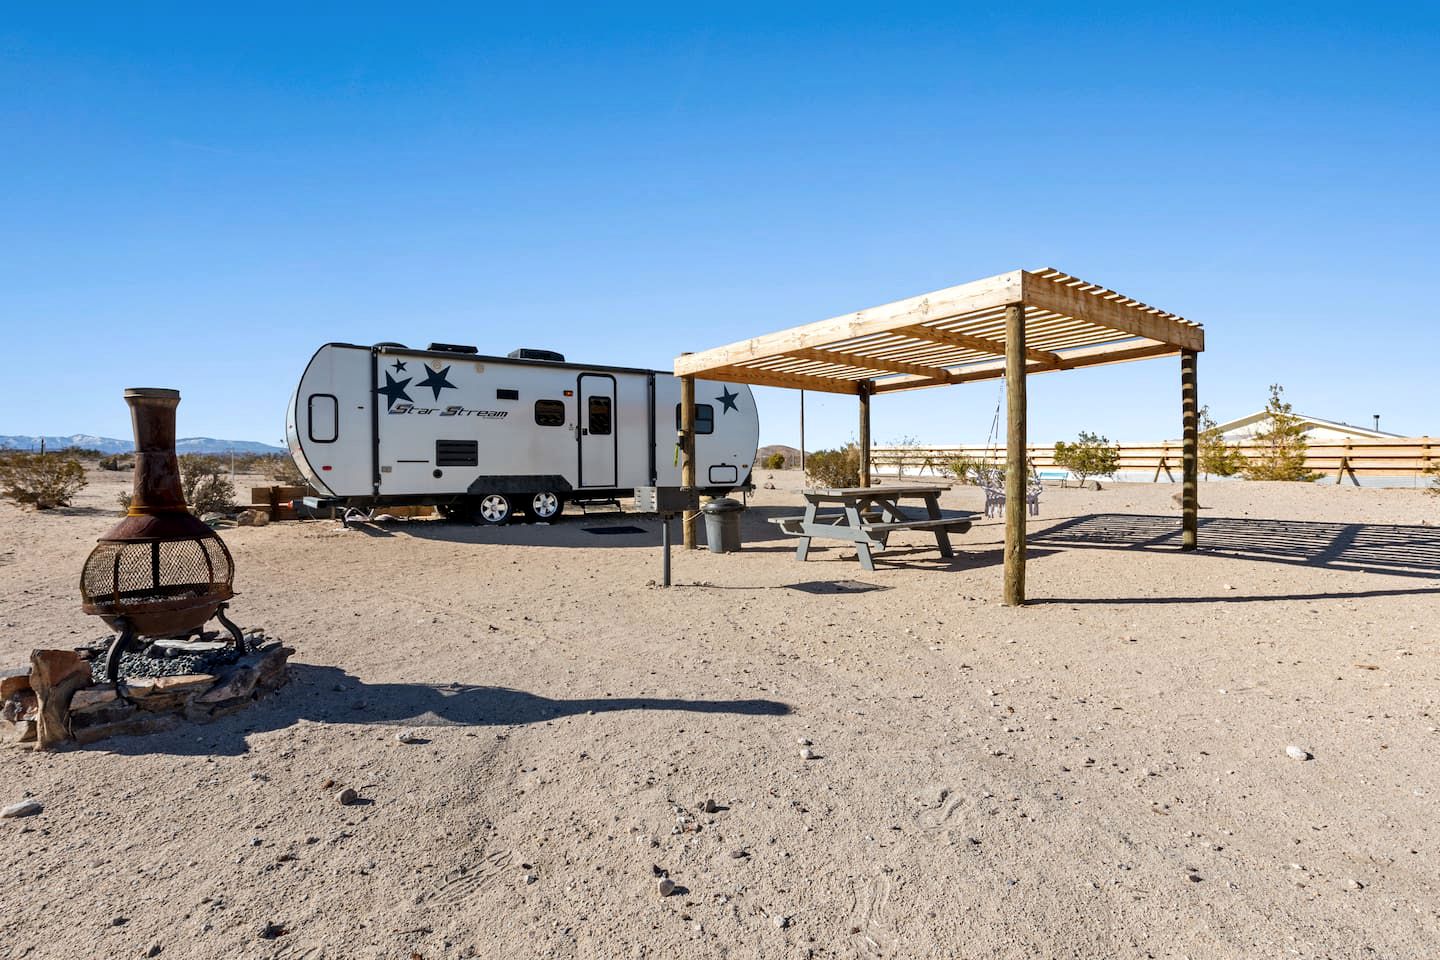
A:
1400, 457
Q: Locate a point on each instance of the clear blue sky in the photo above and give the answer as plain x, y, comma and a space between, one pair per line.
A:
200, 202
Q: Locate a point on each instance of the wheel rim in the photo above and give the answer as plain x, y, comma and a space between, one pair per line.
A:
545, 505
494, 508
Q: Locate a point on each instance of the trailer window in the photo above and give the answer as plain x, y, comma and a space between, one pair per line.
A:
704, 418
600, 416
324, 417
550, 413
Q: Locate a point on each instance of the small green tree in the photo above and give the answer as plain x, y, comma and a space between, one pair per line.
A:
1090, 456
1217, 455
1279, 445
834, 468
43, 480
774, 461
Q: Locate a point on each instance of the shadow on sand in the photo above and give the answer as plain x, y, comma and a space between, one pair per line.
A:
1396, 550
608, 530
329, 695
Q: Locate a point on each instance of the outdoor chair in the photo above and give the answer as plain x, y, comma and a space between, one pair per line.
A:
993, 483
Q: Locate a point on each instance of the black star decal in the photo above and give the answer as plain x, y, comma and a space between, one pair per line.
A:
393, 391
435, 380
398, 365
727, 399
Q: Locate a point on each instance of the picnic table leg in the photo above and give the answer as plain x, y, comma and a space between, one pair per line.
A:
889, 513
802, 549
862, 549
942, 536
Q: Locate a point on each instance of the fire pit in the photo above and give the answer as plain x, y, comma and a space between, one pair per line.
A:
159, 573
156, 576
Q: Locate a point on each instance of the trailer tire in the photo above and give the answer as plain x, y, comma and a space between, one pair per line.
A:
543, 507
493, 509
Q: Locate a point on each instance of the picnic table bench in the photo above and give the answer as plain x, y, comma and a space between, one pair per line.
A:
867, 516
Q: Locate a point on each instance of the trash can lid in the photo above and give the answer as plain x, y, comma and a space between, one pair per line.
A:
723, 505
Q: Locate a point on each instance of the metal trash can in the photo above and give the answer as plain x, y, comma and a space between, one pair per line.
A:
722, 525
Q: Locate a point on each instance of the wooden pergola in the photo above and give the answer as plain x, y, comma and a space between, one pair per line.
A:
1011, 325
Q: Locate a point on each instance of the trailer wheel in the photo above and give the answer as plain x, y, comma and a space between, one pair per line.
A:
544, 507
493, 510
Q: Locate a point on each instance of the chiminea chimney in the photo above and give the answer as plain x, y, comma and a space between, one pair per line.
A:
1377, 421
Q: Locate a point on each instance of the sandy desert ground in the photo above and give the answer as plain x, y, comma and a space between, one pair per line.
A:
1100, 774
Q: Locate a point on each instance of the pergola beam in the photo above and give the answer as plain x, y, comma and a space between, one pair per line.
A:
760, 376
1085, 357
862, 362
983, 344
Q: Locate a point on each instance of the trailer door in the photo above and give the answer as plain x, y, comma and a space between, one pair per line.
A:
597, 434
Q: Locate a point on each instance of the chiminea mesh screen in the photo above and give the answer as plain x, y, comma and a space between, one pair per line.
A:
120, 574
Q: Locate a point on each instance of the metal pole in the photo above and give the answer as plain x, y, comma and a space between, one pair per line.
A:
802, 431
864, 434
665, 548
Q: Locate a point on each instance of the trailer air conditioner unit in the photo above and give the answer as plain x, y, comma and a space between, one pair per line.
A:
529, 353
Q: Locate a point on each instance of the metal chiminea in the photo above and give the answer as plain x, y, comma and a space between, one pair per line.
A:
160, 572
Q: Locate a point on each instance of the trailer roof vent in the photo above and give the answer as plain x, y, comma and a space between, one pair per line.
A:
453, 348
529, 353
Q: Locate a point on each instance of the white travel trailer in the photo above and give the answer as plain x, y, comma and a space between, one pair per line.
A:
496, 438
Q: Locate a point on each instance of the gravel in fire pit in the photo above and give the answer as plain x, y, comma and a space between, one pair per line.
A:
152, 662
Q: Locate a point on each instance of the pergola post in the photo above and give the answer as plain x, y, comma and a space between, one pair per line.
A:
1016, 469
865, 434
1190, 457
687, 458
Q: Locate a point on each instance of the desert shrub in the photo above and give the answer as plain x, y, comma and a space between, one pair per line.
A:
123, 498
834, 468
1089, 456
775, 461
1434, 472
1279, 445
114, 462
282, 469
43, 480
1217, 455
965, 470
204, 484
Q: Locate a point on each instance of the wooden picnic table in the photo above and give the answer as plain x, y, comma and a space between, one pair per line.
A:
867, 516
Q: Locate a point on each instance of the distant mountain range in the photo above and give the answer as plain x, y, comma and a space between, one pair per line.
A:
111, 445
